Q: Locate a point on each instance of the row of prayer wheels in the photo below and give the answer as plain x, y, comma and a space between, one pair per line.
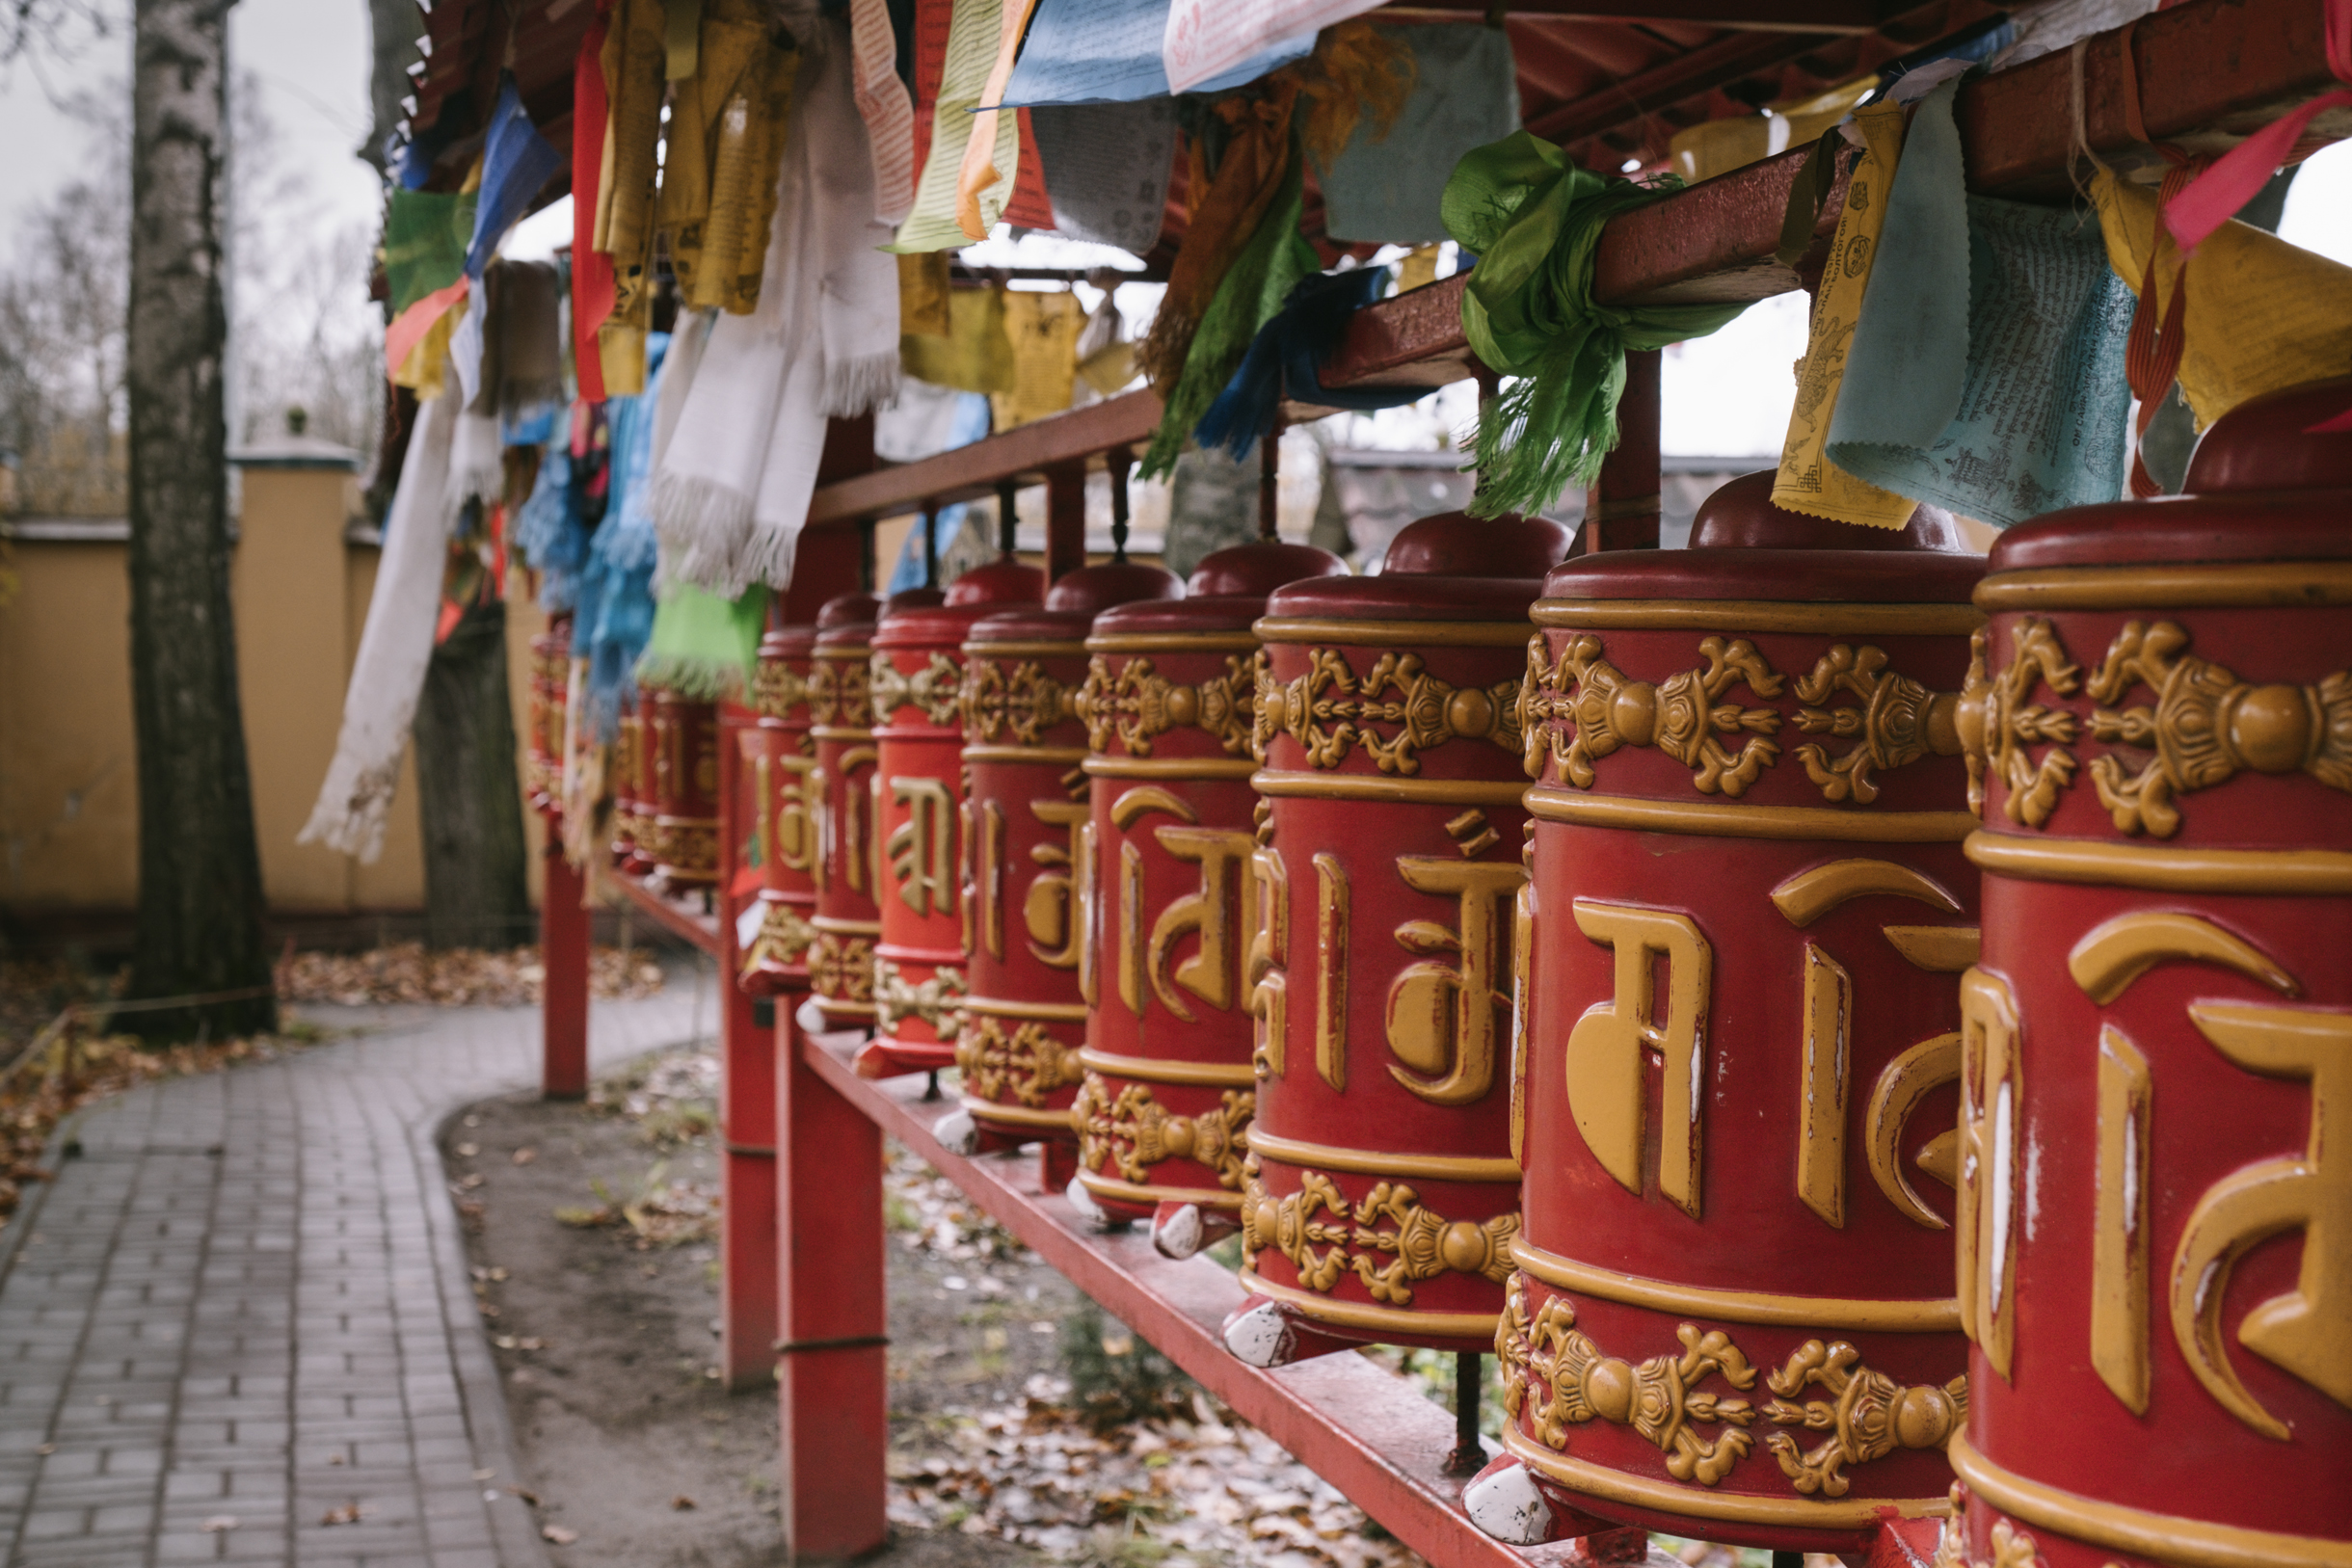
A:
1904, 984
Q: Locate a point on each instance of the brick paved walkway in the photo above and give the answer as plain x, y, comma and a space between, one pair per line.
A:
247, 1299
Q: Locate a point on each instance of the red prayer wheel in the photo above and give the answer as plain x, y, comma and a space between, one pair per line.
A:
549, 686
1168, 705
2155, 1212
841, 795
1025, 825
1381, 1193
1746, 911
780, 759
685, 840
917, 680
631, 755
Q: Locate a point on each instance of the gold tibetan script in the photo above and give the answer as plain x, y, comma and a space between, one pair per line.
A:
1442, 1008
921, 850
1607, 1050
1048, 912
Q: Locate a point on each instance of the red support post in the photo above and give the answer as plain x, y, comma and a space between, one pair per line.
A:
747, 1101
563, 952
1621, 509
832, 1370
1065, 518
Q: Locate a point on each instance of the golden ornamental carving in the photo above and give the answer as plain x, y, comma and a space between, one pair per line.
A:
938, 1001
777, 688
676, 844
1871, 1416
1016, 703
2012, 1547
2206, 727
1999, 722
1557, 1377
1899, 720
936, 688
784, 938
1132, 1133
1329, 711
1138, 705
1396, 1241
841, 969
1681, 715
1027, 1061
841, 692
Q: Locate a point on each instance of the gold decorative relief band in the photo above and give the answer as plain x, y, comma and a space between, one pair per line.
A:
1049, 1012
1768, 1307
1303, 628
1466, 1325
975, 649
1733, 819
1754, 615
990, 1110
1135, 1192
2191, 1543
1061, 754
1159, 1069
1698, 1502
1379, 1163
2315, 872
1173, 642
846, 652
1169, 767
2205, 585
838, 731
846, 929
1373, 786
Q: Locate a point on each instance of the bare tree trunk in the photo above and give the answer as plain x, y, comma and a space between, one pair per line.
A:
469, 793
200, 868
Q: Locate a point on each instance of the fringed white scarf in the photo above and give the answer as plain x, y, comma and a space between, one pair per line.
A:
732, 488
388, 675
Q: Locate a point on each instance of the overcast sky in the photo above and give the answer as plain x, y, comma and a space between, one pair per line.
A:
1729, 394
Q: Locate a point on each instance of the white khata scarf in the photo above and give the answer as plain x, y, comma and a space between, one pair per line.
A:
388, 675
732, 487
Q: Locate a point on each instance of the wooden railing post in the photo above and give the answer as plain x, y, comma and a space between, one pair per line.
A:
1065, 518
747, 1105
1621, 509
563, 953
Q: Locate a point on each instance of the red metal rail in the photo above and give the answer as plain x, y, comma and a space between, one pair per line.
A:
682, 917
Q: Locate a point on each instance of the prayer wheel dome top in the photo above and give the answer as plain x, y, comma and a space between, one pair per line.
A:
1092, 590
1004, 581
848, 610
1457, 545
1446, 567
924, 618
1745, 547
2262, 487
1259, 567
787, 642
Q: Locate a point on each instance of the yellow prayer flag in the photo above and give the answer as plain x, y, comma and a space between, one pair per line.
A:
2262, 314
1043, 328
976, 356
422, 372
1808, 482
923, 294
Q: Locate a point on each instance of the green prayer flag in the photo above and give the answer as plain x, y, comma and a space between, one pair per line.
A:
1534, 220
704, 646
426, 234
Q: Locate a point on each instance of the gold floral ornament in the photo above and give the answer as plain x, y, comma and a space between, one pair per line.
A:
1560, 1378
1029, 1062
1872, 1417
841, 692
1138, 704
938, 1001
1681, 716
784, 938
2206, 727
1898, 721
1997, 722
1132, 1131
2012, 1547
1017, 705
1421, 1245
1328, 711
777, 688
936, 688
841, 968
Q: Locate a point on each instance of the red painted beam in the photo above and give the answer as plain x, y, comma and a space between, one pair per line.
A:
563, 957
682, 917
1369, 1434
970, 472
1759, 16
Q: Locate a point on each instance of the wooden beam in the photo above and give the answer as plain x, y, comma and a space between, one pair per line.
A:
970, 472
1813, 16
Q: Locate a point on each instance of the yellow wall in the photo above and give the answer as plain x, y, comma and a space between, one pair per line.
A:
68, 785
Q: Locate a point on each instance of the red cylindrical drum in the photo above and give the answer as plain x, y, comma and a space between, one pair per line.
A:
1746, 911
685, 819
631, 752
551, 680
841, 795
781, 760
2155, 1211
1168, 703
916, 680
1024, 830
1381, 1193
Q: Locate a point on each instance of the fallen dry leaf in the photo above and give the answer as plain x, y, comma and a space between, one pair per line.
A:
557, 1534
682, 1502
526, 1493
523, 1157
347, 1513
218, 1523
467, 1151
